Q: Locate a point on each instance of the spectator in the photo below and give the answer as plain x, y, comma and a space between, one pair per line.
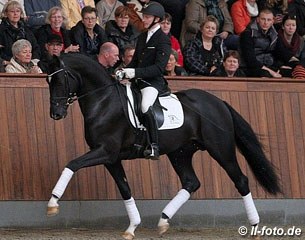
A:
135, 15
22, 62
126, 56
278, 7
172, 67
53, 46
12, 28
242, 12
119, 31
176, 9
106, 10
73, 8
166, 25
108, 56
37, 11
297, 8
87, 34
291, 41
204, 53
258, 46
3, 2
230, 66
197, 11
56, 21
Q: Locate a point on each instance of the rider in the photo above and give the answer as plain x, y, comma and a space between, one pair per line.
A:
148, 64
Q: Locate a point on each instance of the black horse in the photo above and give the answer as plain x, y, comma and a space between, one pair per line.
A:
209, 124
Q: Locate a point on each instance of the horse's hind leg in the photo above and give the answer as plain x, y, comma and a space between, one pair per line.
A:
225, 155
117, 172
181, 161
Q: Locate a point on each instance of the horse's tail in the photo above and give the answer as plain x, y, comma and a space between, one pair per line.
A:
249, 145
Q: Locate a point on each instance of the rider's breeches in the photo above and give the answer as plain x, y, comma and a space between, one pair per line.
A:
149, 96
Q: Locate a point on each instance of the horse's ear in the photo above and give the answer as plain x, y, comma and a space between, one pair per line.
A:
53, 63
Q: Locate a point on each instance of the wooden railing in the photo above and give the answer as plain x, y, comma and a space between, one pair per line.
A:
34, 148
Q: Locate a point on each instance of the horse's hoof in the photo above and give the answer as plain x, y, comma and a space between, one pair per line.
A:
163, 226
127, 236
52, 211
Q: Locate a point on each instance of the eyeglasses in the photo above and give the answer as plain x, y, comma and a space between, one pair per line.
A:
57, 17
89, 18
15, 11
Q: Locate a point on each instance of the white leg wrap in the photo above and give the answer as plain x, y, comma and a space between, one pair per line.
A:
251, 209
133, 214
173, 206
62, 182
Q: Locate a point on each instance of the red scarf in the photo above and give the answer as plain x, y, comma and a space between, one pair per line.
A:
295, 41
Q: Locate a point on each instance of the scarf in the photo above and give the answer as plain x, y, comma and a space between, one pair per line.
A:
213, 9
16, 33
26, 66
252, 10
295, 42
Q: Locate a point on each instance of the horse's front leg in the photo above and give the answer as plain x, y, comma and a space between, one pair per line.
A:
118, 173
91, 158
181, 161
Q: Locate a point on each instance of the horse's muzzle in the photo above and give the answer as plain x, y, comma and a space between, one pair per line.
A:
57, 116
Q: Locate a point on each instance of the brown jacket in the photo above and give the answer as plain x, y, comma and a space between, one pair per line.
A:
195, 14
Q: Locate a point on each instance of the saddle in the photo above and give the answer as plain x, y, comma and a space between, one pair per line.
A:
167, 109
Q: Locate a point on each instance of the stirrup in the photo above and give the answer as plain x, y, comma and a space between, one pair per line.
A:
152, 152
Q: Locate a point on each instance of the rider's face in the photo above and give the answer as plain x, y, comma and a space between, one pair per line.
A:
147, 20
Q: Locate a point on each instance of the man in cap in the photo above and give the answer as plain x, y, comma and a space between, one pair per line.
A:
148, 64
53, 46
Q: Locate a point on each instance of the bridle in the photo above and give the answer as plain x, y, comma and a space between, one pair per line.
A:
69, 95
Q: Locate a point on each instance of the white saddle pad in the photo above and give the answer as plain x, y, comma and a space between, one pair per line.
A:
173, 115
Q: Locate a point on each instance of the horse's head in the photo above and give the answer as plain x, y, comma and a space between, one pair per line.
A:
61, 92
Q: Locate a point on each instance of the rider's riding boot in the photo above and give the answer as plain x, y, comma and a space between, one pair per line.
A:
152, 150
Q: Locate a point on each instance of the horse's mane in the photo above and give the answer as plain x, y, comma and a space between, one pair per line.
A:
79, 60
86, 66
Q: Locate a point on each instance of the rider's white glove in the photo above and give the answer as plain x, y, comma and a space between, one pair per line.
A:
129, 72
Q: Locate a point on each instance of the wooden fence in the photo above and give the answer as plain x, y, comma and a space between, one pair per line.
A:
34, 148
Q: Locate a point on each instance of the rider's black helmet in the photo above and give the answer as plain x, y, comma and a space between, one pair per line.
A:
154, 9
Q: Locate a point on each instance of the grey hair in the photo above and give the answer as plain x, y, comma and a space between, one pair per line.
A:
19, 45
10, 4
54, 10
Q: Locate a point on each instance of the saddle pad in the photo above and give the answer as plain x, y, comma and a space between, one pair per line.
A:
173, 112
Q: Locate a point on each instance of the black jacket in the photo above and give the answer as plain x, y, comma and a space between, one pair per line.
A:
45, 31
120, 38
150, 59
221, 72
78, 37
10, 34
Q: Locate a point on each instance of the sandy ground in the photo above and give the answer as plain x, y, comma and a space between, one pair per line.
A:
141, 234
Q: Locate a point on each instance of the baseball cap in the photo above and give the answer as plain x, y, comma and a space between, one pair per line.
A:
54, 38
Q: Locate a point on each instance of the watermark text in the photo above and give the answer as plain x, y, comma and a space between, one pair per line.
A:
270, 231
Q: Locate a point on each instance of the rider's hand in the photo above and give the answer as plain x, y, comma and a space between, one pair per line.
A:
129, 72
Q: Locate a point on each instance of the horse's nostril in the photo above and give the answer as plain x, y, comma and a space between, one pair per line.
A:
56, 116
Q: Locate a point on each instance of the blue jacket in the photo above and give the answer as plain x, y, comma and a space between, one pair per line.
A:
37, 11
